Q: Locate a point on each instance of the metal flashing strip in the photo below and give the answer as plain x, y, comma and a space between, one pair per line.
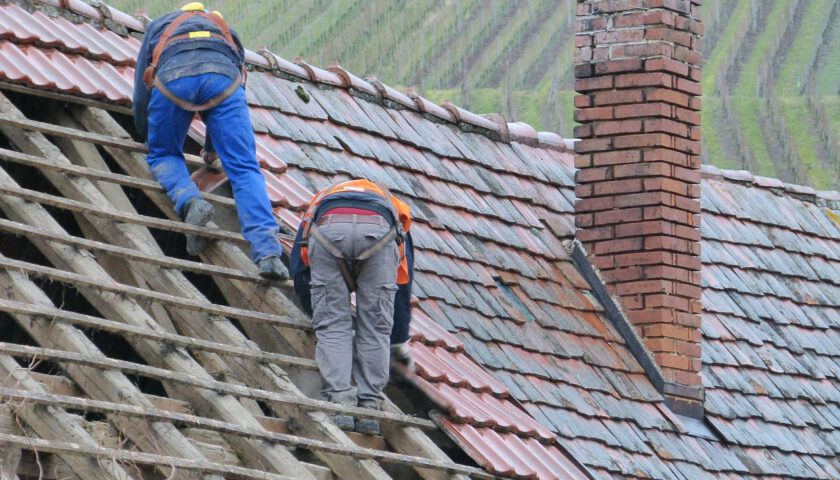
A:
615, 315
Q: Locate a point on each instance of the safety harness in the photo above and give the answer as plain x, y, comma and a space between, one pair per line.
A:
150, 74
350, 266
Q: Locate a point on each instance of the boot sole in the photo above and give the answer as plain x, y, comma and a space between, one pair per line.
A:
271, 275
347, 426
374, 430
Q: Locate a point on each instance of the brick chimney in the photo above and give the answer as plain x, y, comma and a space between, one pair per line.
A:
637, 70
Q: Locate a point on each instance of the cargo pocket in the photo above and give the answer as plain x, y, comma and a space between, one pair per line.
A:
318, 297
385, 320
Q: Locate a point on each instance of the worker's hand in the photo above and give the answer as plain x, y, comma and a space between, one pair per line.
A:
212, 160
401, 352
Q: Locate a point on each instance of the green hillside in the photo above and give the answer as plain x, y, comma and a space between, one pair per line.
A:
771, 80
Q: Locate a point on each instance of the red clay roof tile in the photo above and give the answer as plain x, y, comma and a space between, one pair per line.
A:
53, 70
430, 332
482, 409
352, 81
509, 455
23, 27
456, 369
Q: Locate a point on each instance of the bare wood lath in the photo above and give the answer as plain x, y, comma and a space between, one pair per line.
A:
226, 357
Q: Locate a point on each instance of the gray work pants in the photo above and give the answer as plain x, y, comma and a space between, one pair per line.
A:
340, 356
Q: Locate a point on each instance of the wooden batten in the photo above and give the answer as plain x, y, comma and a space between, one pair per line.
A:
200, 357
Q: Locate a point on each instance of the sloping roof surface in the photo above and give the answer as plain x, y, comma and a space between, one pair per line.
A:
771, 322
335, 134
495, 282
104, 352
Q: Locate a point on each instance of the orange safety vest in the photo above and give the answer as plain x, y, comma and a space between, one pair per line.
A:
400, 211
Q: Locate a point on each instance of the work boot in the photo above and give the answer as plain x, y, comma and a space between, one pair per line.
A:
198, 212
344, 422
367, 426
272, 268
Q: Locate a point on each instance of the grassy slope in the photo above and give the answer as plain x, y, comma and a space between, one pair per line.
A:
526, 70
459, 50
799, 119
501, 46
727, 46
712, 147
801, 127
800, 55
828, 77
749, 108
829, 176
718, 60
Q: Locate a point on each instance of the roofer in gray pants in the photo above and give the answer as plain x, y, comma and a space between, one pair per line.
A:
353, 238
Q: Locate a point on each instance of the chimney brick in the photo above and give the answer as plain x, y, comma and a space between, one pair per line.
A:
638, 184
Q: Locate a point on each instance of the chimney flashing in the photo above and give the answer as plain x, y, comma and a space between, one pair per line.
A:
615, 315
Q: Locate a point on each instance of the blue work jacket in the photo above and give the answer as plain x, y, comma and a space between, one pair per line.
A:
301, 274
180, 59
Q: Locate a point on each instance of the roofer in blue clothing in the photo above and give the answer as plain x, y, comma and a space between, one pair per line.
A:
191, 61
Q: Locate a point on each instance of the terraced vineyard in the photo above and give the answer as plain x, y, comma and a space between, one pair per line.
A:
771, 81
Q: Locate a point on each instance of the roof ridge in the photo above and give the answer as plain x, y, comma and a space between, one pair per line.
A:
822, 198
492, 125
97, 10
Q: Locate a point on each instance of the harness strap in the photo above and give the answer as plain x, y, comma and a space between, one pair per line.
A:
330, 247
389, 199
149, 75
163, 41
191, 107
310, 212
379, 245
347, 272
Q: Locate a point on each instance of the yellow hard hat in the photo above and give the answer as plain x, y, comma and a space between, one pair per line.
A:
218, 14
193, 6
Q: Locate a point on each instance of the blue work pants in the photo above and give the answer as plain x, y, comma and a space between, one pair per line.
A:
229, 128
